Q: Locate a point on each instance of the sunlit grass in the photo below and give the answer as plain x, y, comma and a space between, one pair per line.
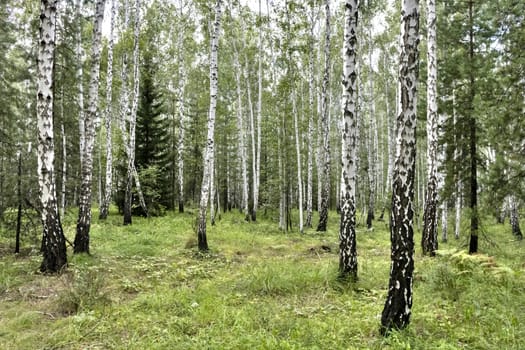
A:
145, 286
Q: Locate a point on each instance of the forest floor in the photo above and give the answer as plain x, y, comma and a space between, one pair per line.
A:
145, 286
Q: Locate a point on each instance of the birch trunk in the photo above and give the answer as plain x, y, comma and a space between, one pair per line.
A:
429, 239
64, 170
347, 234
259, 118
372, 144
242, 147
79, 77
130, 139
210, 143
514, 218
53, 241
109, 117
81, 244
212, 193
325, 128
182, 126
298, 151
309, 181
397, 310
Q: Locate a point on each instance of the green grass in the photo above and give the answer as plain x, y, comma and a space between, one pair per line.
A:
146, 287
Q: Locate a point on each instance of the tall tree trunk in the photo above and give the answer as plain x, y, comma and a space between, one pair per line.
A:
79, 77
64, 170
347, 234
212, 193
474, 219
130, 140
210, 142
182, 126
109, 101
259, 118
310, 141
429, 239
299, 170
372, 144
19, 199
81, 244
398, 305
325, 127
240, 124
53, 240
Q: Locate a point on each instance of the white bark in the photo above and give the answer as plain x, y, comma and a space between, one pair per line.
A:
398, 305
347, 234
240, 124
53, 241
79, 77
182, 126
429, 240
84, 214
210, 141
299, 164
259, 118
109, 117
325, 128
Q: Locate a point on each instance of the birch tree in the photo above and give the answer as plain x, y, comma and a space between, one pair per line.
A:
347, 234
398, 305
325, 129
240, 125
310, 136
210, 142
257, 178
53, 240
108, 119
429, 240
79, 76
81, 244
298, 152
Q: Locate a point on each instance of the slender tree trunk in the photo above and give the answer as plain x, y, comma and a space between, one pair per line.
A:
372, 144
310, 141
182, 126
474, 219
259, 118
299, 170
19, 198
81, 244
240, 124
53, 240
347, 234
325, 193
64, 171
444, 221
210, 143
429, 239
398, 305
212, 193
109, 100
514, 218
79, 78
457, 226
131, 170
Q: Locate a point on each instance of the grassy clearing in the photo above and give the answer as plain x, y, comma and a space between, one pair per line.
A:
146, 287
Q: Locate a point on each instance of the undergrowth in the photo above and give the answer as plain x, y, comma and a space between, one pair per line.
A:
146, 287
